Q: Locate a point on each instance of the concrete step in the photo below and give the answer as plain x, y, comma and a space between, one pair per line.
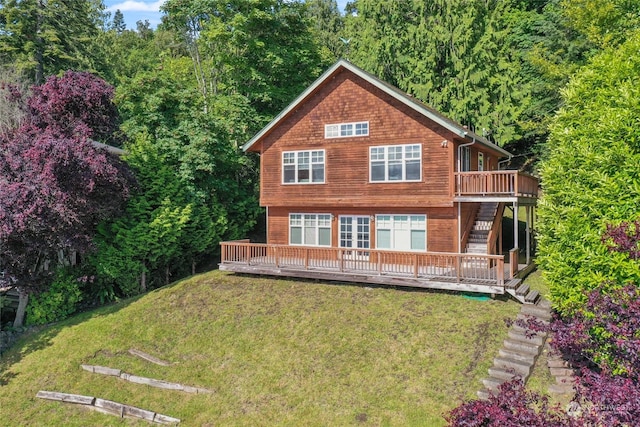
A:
483, 394
502, 373
516, 355
518, 366
527, 317
537, 311
567, 379
561, 389
556, 362
492, 383
562, 372
526, 331
522, 347
519, 336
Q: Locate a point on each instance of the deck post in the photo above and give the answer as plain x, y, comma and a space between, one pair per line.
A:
247, 249
415, 265
500, 273
513, 262
515, 225
277, 256
528, 234
341, 258
458, 266
379, 256
223, 250
306, 258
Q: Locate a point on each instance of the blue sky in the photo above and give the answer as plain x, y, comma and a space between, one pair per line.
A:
140, 10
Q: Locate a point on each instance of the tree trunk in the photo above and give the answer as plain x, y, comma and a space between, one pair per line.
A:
166, 275
143, 279
193, 267
23, 300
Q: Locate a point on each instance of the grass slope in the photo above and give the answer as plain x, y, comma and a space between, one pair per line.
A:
275, 352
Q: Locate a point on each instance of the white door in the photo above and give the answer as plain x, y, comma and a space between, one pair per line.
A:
355, 233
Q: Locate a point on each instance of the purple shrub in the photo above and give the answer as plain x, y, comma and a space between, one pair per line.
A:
513, 406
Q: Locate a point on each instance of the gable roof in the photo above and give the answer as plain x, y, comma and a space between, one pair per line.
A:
395, 93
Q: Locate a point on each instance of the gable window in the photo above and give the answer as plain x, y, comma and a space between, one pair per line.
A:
310, 229
395, 163
401, 232
303, 167
343, 130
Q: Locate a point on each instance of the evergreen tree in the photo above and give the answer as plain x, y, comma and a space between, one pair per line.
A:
44, 37
451, 54
118, 24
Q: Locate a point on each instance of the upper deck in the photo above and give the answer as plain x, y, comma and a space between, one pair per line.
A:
500, 186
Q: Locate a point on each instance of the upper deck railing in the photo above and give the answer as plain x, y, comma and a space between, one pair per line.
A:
507, 183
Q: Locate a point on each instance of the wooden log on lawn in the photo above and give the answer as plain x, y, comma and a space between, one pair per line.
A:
66, 397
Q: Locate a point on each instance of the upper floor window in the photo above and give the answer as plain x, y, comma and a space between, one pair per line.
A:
480, 162
303, 167
343, 130
395, 163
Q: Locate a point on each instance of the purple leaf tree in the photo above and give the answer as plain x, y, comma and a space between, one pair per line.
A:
55, 184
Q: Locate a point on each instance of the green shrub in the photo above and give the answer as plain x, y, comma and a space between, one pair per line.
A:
59, 301
591, 177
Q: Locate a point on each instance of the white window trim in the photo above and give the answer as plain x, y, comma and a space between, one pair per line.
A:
324, 166
317, 229
339, 126
386, 160
426, 228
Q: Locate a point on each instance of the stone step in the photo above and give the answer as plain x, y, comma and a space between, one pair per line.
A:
561, 389
519, 336
521, 368
565, 379
492, 383
522, 347
502, 373
556, 362
537, 311
562, 372
516, 355
483, 394
527, 317
527, 332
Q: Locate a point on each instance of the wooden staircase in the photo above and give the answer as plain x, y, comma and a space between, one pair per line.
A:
479, 235
478, 243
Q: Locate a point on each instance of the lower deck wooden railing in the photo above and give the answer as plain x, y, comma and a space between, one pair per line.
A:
449, 266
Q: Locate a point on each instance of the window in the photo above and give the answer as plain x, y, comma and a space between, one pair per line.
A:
401, 232
395, 163
480, 162
303, 167
343, 130
310, 229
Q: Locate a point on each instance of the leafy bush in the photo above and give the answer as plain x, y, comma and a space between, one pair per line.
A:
58, 302
513, 406
591, 178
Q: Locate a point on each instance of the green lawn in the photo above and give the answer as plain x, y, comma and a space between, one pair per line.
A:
275, 352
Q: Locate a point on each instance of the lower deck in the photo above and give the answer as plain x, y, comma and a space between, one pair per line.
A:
480, 273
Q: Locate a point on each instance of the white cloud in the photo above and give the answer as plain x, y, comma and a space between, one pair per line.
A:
136, 6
